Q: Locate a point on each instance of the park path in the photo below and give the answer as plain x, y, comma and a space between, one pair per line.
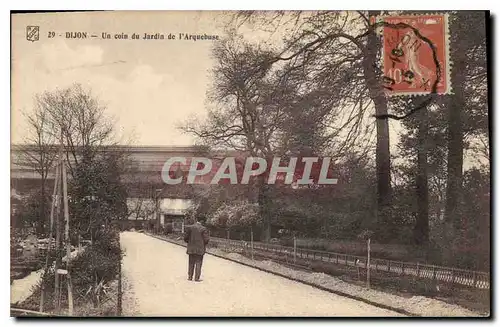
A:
156, 274
21, 289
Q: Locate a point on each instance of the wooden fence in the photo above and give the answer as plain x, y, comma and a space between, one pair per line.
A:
463, 277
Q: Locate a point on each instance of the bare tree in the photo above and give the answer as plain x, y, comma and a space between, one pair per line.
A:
337, 53
39, 151
341, 50
260, 109
248, 114
75, 117
141, 208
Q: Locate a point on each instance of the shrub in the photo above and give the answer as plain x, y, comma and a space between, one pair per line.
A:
235, 214
169, 228
91, 272
96, 267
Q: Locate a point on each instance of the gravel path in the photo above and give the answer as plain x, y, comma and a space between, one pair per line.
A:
155, 272
21, 289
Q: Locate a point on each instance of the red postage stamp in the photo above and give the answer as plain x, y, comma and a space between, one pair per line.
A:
416, 55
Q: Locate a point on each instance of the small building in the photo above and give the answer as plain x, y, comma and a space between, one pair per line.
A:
143, 213
173, 211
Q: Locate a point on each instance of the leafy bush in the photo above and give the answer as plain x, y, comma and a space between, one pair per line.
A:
90, 272
238, 213
96, 266
169, 228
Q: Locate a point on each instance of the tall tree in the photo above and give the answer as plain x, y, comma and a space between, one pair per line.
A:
421, 231
454, 124
339, 50
250, 103
98, 193
39, 153
468, 54
75, 117
383, 156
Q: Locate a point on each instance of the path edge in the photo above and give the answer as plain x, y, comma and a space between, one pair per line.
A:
353, 297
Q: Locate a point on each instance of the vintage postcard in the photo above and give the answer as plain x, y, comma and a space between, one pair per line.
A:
250, 164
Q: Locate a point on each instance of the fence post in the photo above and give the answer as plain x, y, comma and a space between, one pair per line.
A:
119, 301
474, 279
251, 240
418, 270
368, 265
294, 249
434, 272
402, 268
388, 266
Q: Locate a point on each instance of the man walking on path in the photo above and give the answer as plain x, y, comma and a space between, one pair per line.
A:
196, 237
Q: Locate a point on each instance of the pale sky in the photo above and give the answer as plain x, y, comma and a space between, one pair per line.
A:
147, 85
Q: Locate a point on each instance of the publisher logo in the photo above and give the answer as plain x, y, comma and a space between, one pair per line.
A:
32, 33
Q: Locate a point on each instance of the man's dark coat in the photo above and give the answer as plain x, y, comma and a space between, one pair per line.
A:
196, 236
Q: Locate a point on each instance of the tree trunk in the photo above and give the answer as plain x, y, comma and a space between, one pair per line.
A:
383, 161
456, 106
421, 230
58, 247
41, 221
455, 160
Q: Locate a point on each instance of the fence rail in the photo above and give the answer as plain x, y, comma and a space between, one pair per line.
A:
456, 276
18, 312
